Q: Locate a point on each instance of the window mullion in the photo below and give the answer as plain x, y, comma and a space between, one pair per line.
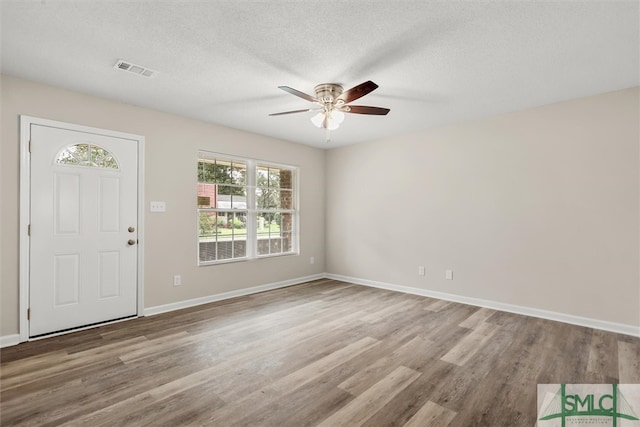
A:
252, 245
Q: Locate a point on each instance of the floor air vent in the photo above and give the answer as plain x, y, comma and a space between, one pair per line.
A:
135, 69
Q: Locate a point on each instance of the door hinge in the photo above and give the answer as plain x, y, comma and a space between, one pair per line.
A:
29, 230
28, 313
29, 145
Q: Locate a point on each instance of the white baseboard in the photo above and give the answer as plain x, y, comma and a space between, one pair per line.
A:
619, 328
227, 295
9, 340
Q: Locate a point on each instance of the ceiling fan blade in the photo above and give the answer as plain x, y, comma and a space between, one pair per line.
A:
290, 112
358, 91
362, 109
296, 92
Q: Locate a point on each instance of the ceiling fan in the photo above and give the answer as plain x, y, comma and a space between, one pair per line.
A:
334, 102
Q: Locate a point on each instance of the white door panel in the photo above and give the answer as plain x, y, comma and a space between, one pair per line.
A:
82, 268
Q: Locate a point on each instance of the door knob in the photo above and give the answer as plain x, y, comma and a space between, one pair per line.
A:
131, 242
131, 229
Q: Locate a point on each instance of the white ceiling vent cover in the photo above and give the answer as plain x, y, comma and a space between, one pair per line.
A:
135, 69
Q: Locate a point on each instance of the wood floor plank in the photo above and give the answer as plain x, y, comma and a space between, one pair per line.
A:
363, 407
431, 415
437, 305
389, 310
365, 378
464, 350
108, 414
602, 365
326, 352
507, 360
97, 390
477, 318
260, 370
72, 362
166, 343
398, 411
32, 363
306, 406
235, 411
177, 410
316, 369
629, 363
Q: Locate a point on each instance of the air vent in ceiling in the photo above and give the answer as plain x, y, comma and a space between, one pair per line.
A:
135, 69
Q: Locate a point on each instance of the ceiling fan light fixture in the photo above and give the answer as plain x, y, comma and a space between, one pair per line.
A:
318, 119
331, 124
328, 119
337, 116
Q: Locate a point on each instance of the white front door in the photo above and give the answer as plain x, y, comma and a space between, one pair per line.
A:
83, 244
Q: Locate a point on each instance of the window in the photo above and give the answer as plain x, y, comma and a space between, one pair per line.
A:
246, 209
87, 155
274, 200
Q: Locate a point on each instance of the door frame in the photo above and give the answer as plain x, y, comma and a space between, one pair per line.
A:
25, 208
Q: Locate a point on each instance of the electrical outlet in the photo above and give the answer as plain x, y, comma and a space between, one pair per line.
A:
448, 274
177, 280
312, 260
421, 270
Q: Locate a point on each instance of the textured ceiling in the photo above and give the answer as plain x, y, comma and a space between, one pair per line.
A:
221, 61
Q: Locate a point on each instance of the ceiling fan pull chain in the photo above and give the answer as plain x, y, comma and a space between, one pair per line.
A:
327, 136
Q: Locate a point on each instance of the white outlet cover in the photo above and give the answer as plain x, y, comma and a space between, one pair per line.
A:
448, 274
156, 206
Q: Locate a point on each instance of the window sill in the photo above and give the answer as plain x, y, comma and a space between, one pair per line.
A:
245, 259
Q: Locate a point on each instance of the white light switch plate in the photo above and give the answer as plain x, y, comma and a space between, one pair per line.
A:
157, 206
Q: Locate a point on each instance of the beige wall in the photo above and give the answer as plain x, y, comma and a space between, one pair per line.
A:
171, 151
537, 208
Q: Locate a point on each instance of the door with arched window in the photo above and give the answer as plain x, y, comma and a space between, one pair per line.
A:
83, 238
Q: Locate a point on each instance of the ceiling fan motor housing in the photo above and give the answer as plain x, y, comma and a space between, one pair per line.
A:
328, 92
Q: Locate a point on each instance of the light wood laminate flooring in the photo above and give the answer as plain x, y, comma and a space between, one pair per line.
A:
325, 353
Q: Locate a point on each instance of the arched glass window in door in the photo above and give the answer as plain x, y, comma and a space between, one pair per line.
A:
87, 155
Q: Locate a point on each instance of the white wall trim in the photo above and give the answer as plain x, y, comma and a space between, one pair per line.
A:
619, 328
25, 207
227, 295
9, 340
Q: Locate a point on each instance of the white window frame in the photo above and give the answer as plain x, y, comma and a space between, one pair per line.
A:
252, 209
